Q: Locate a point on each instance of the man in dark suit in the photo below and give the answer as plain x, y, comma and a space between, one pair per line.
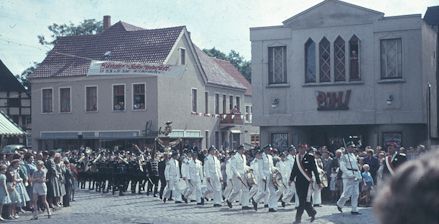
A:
301, 174
393, 160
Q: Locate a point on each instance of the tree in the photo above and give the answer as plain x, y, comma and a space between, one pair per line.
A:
243, 66
86, 27
23, 77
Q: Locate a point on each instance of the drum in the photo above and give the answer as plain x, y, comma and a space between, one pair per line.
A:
323, 178
250, 178
181, 185
276, 178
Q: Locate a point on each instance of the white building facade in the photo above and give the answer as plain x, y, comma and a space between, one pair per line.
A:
339, 72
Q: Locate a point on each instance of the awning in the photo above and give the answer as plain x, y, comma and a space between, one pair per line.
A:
235, 131
8, 127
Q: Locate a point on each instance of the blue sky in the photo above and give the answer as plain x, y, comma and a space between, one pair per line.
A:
223, 24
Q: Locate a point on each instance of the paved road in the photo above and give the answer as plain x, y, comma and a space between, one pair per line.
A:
91, 207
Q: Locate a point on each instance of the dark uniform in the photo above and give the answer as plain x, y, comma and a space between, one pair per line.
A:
396, 160
153, 171
302, 183
161, 169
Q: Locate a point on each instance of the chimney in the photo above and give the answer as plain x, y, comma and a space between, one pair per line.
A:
107, 22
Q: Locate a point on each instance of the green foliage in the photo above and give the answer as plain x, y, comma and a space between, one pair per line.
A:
86, 27
23, 76
243, 66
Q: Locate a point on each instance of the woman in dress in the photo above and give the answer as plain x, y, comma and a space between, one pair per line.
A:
40, 189
19, 185
13, 194
4, 195
60, 170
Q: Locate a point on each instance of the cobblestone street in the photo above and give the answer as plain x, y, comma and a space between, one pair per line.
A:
91, 207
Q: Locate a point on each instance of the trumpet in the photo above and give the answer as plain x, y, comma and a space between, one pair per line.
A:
124, 160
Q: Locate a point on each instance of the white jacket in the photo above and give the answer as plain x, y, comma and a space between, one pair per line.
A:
266, 166
282, 166
172, 171
195, 170
185, 169
229, 168
254, 166
212, 167
349, 166
239, 165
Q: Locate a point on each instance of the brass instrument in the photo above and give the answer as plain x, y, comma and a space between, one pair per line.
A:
276, 178
250, 178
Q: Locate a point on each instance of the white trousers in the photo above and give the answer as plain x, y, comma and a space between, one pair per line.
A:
274, 194
215, 187
172, 187
262, 191
228, 189
350, 190
239, 187
195, 191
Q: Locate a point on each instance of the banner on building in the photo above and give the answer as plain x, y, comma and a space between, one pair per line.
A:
133, 68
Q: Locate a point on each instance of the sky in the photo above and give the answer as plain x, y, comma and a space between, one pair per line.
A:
223, 24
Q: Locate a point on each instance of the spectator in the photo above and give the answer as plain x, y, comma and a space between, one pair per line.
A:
412, 194
373, 163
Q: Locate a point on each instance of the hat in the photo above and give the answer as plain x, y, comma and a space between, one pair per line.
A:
303, 146
241, 147
267, 147
350, 144
212, 147
291, 148
174, 153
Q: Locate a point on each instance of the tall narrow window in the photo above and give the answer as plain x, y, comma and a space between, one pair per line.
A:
194, 100
277, 65
91, 98
325, 60
354, 59
64, 100
47, 100
217, 139
238, 103
231, 103
217, 104
224, 104
182, 56
339, 60
247, 114
138, 96
206, 102
119, 97
310, 61
391, 59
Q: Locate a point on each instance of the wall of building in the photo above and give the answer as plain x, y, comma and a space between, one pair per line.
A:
105, 119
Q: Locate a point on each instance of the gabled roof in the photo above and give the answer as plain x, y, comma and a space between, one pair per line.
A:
8, 82
72, 55
341, 3
431, 16
215, 73
8, 127
231, 70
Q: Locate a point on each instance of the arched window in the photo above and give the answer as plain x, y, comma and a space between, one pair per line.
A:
310, 61
354, 59
339, 60
325, 60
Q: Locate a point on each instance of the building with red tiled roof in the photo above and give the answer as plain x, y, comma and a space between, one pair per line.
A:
120, 87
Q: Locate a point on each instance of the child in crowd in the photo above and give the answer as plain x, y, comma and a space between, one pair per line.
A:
367, 184
4, 195
333, 184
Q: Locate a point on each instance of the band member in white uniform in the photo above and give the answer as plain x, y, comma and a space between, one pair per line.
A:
212, 171
260, 180
290, 191
266, 169
239, 168
185, 176
195, 177
351, 179
172, 175
229, 174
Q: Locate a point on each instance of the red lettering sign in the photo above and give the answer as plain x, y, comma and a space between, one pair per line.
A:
333, 100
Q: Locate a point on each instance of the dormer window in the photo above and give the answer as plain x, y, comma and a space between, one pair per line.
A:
182, 56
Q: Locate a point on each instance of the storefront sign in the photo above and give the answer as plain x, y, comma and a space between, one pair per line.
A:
333, 100
132, 68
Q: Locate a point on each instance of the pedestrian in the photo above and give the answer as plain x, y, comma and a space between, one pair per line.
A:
351, 178
303, 169
4, 194
411, 195
333, 185
367, 184
40, 189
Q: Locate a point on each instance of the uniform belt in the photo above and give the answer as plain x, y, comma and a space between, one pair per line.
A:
352, 169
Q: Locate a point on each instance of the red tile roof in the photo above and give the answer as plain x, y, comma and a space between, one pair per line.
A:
71, 55
231, 70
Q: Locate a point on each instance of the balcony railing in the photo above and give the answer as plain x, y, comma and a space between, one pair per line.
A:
231, 119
